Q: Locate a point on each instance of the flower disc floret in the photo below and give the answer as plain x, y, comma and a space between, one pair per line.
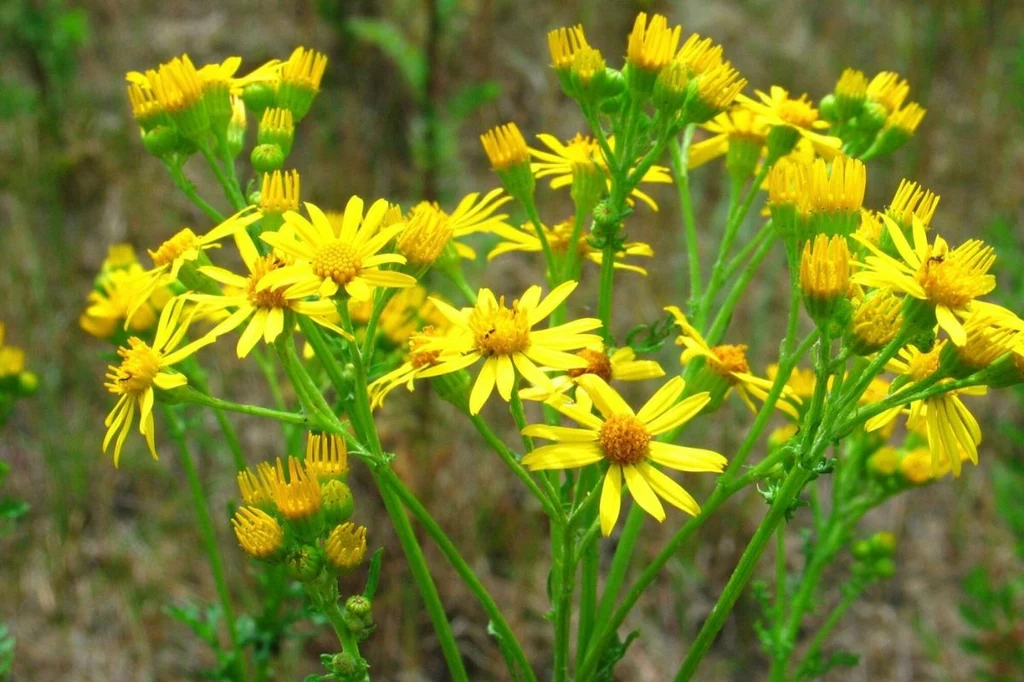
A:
598, 363
337, 261
259, 533
500, 330
624, 439
182, 243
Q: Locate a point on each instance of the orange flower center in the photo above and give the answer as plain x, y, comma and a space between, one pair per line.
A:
955, 278
338, 261
268, 298
423, 358
923, 365
501, 330
174, 247
597, 363
624, 439
729, 359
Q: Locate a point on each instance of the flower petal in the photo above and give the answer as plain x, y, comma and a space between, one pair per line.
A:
641, 491
669, 490
683, 458
483, 386
611, 499
606, 398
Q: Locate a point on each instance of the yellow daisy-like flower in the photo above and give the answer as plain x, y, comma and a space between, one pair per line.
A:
143, 367
889, 90
258, 533
504, 337
418, 359
346, 546
346, 258
730, 363
326, 456
186, 247
122, 303
526, 240
912, 200
564, 43
738, 124
625, 439
619, 365
297, 495
475, 213
262, 308
779, 109
279, 191
948, 279
407, 311
558, 163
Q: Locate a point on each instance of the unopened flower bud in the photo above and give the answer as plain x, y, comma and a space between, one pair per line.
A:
266, 158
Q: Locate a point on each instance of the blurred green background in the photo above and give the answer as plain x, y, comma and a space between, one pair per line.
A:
409, 87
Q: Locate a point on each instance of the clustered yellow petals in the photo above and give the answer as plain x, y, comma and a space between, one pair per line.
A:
852, 84
719, 86
876, 321
564, 43
906, 119
955, 277
587, 63
788, 183
425, 236
699, 55
825, 268
889, 90
652, 45
305, 68
624, 439
500, 329
839, 186
279, 191
176, 85
326, 456
346, 546
255, 487
911, 200
297, 495
505, 147
182, 242
259, 533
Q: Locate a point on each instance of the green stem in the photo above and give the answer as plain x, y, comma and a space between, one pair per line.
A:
550, 266
209, 535
193, 396
451, 553
740, 259
620, 563
780, 574
680, 153
791, 488
515, 407
380, 301
604, 296
231, 191
324, 353
826, 629
189, 190
230, 436
724, 316
563, 604
546, 498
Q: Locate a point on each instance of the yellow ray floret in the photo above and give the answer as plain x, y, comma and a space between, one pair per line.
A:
625, 440
777, 108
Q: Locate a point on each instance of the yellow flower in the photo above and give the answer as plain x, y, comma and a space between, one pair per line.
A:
504, 337
699, 55
122, 303
625, 440
619, 365
824, 273
186, 247
279, 191
12, 358
259, 533
505, 147
948, 279
779, 109
558, 163
472, 215
564, 43
255, 487
912, 200
838, 187
852, 85
142, 367
916, 466
426, 233
326, 456
718, 88
418, 359
730, 363
889, 90
406, 312
304, 68
525, 239
987, 340
907, 119
728, 126
297, 495
346, 546
652, 46
876, 321
263, 308
334, 259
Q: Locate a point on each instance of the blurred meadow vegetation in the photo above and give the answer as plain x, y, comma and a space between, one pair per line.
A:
92, 571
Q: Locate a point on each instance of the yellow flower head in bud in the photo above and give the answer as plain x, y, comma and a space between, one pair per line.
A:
912, 200
719, 86
876, 321
425, 235
119, 257
304, 68
259, 533
326, 456
176, 84
346, 546
652, 46
255, 487
564, 43
987, 341
789, 183
145, 106
587, 63
277, 127
296, 496
238, 115
505, 147
889, 90
279, 191
906, 119
825, 268
852, 85
699, 55
392, 216
870, 228
839, 188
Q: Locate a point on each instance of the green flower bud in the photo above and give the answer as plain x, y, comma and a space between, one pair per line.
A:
267, 158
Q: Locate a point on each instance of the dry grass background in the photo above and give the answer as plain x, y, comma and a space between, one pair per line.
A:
85, 575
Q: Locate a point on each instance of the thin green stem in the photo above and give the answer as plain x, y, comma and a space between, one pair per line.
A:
231, 190
226, 428
550, 266
209, 535
380, 301
680, 153
740, 259
563, 604
620, 563
789, 491
189, 190
724, 316
324, 353
193, 396
824, 631
515, 407
780, 574
451, 553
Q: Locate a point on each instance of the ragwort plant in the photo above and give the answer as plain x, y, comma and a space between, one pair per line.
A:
875, 396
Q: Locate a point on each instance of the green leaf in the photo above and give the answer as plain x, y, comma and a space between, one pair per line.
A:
373, 575
611, 656
389, 38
